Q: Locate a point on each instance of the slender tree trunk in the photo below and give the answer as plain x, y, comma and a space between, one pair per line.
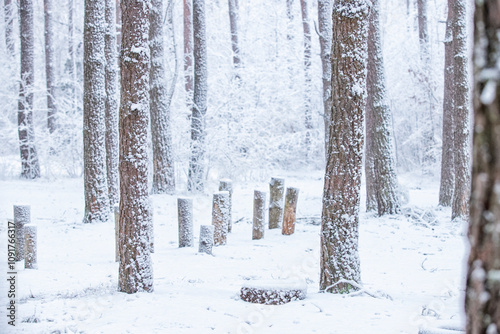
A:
72, 54
423, 34
378, 114
325, 43
49, 67
447, 161
9, 11
118, 25
340, 216
482, 297
188, 53
30, 167
94, 102
233, 24
196, 174
111, 77
163, 164
307, 70
461, 192
136, 271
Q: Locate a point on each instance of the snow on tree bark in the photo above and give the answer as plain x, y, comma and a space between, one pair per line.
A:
276, 191
97, 207
111, 77
233, 25
30, 246
49, 67
259, 211
188, 53
135, 271
341, 196
289, 213
30, 167
381, 180
9, 11
206, 239
220, 217
307, 70
325, 43
461, 191
482, 295
227, 185
72, 54
185, 220
163, 162
22, 217
196, 173
447, 163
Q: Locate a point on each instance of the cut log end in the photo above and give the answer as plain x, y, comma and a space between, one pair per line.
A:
269, 294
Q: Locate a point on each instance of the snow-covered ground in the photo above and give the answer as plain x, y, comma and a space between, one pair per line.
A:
412, 268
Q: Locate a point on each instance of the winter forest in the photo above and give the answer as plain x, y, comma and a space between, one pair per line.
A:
294, 166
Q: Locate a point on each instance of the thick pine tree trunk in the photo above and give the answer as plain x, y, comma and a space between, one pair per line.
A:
94, 102
163, 162
482, 298
111, 77
341, 196
30, 167
188, 53
461, 192
447, 163
49, 67
325, 43
9, 10
196, 173
383, 186
136, 271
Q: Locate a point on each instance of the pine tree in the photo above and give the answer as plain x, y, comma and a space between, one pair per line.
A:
340, 216
30, 167
49, 67
163, 164
306, 28
482, 295
196, 174
135, 271
94, 102
188, 53
381, 181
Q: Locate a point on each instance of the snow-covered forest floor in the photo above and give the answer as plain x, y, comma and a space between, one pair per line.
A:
411, 267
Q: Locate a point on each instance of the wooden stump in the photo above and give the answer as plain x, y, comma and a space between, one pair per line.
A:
291, 198
116, 210
220, 217
185, 220
276, 189
273, 292
22, 216
206, 239
30, 246
259, 200
227, 185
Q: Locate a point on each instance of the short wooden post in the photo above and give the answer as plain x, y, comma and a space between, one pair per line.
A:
259, 211
206, 239
227, 185
30, 246
220, 217
276, 189
185, 220
22, 216
117, 233
291, 198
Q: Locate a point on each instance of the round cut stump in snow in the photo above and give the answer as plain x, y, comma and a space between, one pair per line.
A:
273, 292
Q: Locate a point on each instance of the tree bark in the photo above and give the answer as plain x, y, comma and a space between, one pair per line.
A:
340, 215
325, 43
482, 297
188, 53
227, 185
206, 239
276, 190
185, 219
111, 78
72, 55
289, 217
220, 217
94, 102
233, 24
22, 217
307, 70
49, 67
196, 173
461, 191
447, 161
30, 247
136, 271
9, 11
259, 211
163, 162
379, 163
30, 167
